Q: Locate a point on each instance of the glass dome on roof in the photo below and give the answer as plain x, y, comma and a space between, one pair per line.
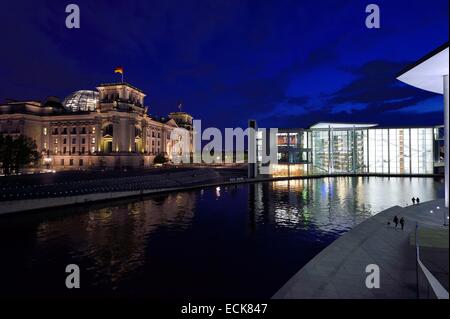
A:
83, 100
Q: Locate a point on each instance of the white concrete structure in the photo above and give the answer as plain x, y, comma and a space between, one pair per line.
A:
431, 74
326, 125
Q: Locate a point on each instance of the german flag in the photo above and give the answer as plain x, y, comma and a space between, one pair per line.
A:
119, 69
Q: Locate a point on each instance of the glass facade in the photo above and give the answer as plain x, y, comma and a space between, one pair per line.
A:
83, 100
339, 151
293, 153
401, 151
321, 150
357, 150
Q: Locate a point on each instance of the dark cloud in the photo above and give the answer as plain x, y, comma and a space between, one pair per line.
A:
298, 100
373, 96
392, 120
322, 56
226, 60
377, 87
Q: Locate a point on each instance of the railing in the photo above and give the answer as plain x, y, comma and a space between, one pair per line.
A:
431, 281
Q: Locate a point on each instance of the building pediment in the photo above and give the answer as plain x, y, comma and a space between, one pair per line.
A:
171, 123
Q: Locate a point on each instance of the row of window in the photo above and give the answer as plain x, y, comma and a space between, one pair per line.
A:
82, 150
65, 130
71, 162
115, 97
153, 143
83, 130
11, 131
74, 140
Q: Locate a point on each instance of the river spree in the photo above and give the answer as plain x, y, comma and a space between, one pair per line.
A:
234, 241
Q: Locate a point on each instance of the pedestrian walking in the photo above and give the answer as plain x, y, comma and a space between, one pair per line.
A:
417, 200
402, 222
413, 200
395, 221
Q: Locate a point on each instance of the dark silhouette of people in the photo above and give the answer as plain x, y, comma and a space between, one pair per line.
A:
413, 200
417, 200
402, 222
395, 221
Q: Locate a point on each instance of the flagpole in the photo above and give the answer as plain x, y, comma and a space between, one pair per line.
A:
119, 70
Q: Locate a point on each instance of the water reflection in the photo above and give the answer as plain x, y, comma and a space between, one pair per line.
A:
115, 239
337, 204
215, 242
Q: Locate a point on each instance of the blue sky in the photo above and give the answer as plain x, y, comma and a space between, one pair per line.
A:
286, 63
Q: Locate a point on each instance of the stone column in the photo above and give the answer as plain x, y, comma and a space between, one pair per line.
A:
119, 136
131, 145
144, 137
98, 136
164, 138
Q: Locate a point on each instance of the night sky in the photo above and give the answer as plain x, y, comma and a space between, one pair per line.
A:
284, 63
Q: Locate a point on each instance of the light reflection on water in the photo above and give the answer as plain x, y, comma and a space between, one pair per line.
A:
232, 241
335, 205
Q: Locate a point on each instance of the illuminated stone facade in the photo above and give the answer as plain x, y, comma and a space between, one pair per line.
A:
116, 133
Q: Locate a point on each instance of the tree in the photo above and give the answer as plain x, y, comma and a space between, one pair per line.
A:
15, 153
160, 159
5, 153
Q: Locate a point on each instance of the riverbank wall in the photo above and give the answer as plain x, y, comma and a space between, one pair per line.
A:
209, 178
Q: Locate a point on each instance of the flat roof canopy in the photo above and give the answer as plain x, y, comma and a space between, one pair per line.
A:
340, 125
427, 73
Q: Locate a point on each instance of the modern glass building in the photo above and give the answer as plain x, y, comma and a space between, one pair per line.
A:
340, 148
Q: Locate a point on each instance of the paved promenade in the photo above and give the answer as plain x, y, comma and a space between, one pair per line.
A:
339, 270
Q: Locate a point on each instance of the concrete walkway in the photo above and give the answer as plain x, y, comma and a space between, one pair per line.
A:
339, 270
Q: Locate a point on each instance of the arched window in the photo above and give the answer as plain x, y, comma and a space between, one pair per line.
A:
108, 130
137, 132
